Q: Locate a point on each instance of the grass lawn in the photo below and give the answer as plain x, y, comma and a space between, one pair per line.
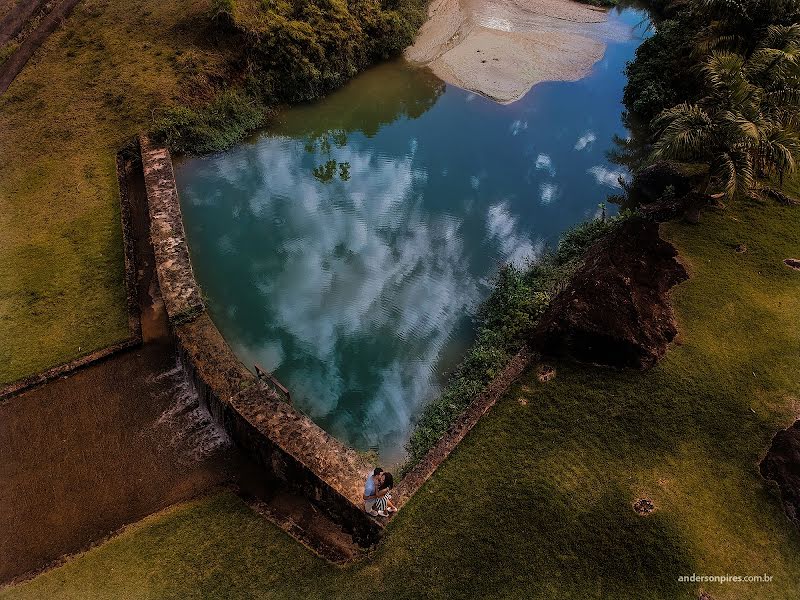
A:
94, 83
536, 502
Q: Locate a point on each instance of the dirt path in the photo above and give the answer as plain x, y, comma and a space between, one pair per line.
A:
17, 61
82, 456
16, 17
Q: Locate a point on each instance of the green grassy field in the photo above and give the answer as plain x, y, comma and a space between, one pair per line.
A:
96, 81
536, 502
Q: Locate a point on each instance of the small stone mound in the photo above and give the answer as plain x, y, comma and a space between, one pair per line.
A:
705, 596
792, 263
545, 373
782, 465
522, 401
741, 249
643, 506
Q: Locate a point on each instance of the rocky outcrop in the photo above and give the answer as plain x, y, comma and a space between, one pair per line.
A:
782, 465
615, 310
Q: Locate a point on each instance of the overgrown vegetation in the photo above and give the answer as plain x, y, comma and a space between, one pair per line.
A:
718, 85
220, 124
504, 322
289, 51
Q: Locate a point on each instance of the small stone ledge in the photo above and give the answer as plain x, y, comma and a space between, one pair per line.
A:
310, 461
295, 452
209, 359
179, 290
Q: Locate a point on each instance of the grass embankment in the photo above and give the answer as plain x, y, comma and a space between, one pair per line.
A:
117, 68
536, 502
504, 323
93, 84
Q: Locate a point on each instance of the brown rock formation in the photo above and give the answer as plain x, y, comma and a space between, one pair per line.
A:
615, 310
782, 465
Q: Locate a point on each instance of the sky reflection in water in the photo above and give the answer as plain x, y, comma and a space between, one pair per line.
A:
346, 247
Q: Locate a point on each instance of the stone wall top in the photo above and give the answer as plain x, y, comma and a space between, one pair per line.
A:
339, 467
179, 289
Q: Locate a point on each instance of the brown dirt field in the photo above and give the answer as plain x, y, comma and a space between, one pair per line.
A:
82, 456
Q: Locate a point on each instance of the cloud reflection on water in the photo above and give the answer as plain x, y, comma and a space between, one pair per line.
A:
358, 259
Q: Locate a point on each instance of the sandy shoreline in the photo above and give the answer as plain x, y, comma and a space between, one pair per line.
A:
502, 48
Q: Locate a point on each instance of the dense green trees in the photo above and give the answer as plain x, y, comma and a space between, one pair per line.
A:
719, 86
297, 50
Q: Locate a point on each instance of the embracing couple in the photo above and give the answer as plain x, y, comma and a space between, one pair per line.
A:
377, 497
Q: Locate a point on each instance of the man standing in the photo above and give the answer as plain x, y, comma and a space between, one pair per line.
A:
371, 487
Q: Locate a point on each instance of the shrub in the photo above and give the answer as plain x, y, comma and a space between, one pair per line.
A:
215, 127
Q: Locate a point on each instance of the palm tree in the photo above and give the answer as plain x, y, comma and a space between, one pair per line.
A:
745, 129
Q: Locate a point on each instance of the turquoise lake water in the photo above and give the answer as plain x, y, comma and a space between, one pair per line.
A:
346, 247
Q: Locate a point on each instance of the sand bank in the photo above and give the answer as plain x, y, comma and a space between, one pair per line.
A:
502, 48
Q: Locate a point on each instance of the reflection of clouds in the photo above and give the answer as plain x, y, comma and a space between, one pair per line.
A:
501, 226
587, 138
545, 163
547, 192
607, 177
270, 354
518, 126
359, 261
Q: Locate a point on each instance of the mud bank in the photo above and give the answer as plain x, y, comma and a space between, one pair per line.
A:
502, 48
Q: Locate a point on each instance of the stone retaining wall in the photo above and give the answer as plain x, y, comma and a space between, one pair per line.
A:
294, 451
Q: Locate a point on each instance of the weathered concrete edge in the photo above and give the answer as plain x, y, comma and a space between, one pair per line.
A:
479, 406
134, 340
293, 449
179, 289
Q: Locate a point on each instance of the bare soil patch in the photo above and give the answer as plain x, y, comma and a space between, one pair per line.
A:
792, 263
643, 506
85, 455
